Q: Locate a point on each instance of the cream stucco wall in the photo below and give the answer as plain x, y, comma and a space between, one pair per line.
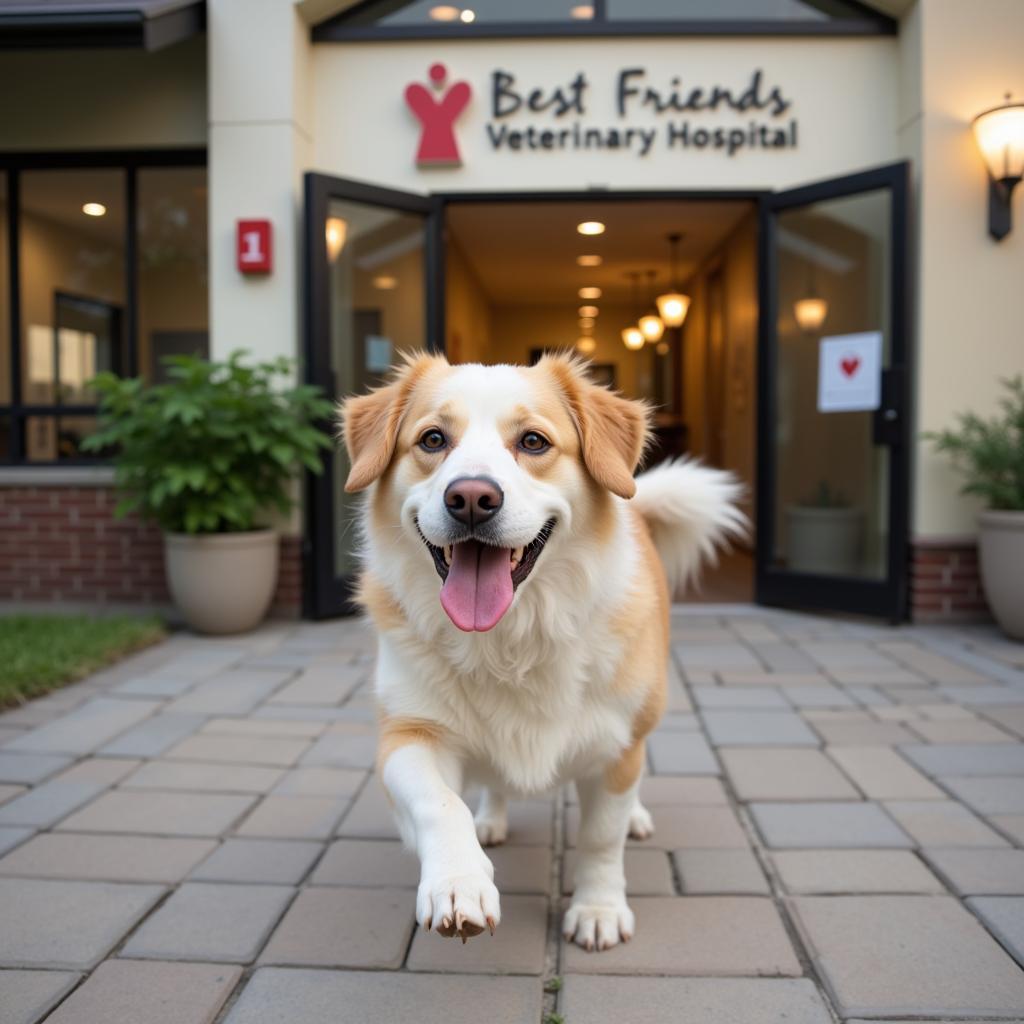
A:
968, 322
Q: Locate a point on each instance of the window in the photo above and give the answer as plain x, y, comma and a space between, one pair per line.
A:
383, 19
110, 273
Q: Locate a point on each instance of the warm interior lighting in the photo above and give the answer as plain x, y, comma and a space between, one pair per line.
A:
586, 323
581, 12
444, 12
336, 232
999, 133
467, 16
588, 260
663, 348
810, 313
588, 311
385, 282
673, 307
94, 209
589, 292
590, 227
585, 345
651, 327
633, 338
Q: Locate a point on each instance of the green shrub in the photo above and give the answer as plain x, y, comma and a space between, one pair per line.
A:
991, 452
215, 447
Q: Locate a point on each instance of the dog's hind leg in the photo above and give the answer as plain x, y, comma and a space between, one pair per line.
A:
641, 824
491, 818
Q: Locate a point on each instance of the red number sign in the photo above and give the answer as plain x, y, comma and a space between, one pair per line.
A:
254, 247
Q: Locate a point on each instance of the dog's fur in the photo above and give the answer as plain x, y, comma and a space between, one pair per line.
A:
572, 678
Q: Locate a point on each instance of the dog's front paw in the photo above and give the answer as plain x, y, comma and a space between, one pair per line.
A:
598, 925
458, 904
641, 824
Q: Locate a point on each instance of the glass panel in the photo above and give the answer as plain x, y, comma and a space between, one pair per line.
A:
40, 438
377, 308
173, 312
480, 12
5, 438
71, 432
832, 480
5, 319
731, 10
72, 272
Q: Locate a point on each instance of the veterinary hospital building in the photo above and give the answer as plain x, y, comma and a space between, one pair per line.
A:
771, 218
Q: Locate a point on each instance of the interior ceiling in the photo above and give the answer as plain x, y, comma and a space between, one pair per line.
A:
525, 252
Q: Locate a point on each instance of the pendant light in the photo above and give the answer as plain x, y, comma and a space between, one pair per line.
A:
673, 305
811, 310
652, 327
632, 336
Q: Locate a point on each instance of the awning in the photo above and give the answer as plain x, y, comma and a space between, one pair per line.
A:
63, 24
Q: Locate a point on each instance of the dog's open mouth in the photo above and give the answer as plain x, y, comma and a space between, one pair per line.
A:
480, 580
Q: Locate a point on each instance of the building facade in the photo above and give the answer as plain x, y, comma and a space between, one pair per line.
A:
805, 174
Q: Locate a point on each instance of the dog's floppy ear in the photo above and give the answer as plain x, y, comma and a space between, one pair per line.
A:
613, 430
369, 423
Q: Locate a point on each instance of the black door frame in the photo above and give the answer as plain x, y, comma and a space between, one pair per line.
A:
885, 598
324, 595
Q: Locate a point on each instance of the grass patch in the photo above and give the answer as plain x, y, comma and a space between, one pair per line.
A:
39, 653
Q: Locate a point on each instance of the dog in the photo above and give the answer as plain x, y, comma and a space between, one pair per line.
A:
519, 579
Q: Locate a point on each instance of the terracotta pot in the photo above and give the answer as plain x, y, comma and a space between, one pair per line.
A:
222, 582
1001, 551
827, 541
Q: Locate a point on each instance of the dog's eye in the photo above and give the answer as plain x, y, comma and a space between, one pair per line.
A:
534, 443
433, 440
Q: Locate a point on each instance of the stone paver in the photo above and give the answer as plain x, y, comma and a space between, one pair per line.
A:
785, 773
149, 993
214, 803
25, 996
67, 925
355, 997
696, 935
208, 921
908, 956
345, 927
598, 1000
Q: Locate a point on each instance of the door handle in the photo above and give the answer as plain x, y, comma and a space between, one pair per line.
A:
887, 425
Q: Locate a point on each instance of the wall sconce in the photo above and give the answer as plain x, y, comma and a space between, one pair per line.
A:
810, 313
999, 133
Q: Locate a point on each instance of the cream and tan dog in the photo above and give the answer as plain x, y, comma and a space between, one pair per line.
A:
519, 579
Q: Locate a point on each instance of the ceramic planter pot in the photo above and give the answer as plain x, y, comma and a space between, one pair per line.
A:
1001, 552
222, 582
827, 541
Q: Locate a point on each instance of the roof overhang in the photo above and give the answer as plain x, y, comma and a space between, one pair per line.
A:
65, 24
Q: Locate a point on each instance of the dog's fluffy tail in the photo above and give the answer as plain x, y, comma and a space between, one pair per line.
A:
690, 510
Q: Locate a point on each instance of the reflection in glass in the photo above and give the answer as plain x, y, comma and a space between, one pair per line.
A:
173, 309
5, 323
731, 10
377, 310
832, 490
470, 12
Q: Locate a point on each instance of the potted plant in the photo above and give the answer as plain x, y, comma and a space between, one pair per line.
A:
991, 454
207, 456
824, 533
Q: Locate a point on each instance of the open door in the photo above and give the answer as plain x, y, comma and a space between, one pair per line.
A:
833, 419
372, 292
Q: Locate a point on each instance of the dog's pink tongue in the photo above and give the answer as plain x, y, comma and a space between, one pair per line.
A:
478, 589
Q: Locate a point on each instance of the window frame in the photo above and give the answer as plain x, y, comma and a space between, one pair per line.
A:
12, 165
347, 27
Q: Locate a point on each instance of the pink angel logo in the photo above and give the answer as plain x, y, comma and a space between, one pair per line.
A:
437, 114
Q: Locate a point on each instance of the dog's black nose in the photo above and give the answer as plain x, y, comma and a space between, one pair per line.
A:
472, 500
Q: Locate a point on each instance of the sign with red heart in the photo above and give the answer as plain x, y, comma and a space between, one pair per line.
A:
850, 372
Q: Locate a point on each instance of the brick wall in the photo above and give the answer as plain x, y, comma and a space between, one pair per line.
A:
945, 583
63, 544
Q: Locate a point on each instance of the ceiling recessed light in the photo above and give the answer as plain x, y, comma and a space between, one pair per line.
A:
444, 12
385, 282
467, 16
94, 209
581, 12
588, 311
590, 227
590, 292
589, 260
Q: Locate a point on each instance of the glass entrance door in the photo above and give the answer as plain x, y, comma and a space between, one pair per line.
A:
833, 411
372, 296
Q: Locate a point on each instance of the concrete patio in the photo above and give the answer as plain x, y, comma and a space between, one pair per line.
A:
195, 835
